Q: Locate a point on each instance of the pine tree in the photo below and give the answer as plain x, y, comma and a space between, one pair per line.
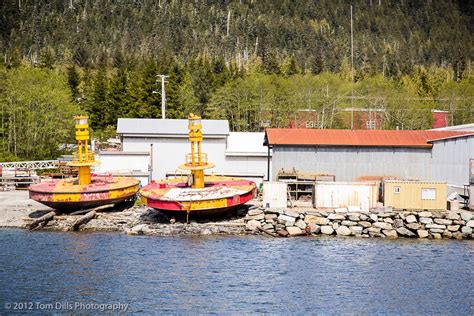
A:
288, 68
73, 80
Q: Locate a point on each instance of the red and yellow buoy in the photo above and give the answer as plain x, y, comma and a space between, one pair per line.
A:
84, 191
197, 194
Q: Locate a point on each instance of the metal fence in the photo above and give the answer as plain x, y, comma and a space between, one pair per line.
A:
32, 165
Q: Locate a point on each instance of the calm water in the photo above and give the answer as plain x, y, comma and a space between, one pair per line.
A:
237, 274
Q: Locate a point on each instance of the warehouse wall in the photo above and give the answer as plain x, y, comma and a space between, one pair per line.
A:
448, 161
247, 164
169, 153
349, 163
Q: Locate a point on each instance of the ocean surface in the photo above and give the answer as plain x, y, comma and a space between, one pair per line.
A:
88, 273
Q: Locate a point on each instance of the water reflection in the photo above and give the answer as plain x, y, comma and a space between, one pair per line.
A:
239, 274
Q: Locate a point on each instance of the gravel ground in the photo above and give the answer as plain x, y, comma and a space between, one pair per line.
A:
14, 205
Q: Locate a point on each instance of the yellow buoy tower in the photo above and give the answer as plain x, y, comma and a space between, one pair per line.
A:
82, 158
196, 161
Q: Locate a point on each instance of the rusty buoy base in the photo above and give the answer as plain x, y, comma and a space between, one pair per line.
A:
174, 197
67, 195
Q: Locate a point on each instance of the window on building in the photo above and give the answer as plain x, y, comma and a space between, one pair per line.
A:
370, 124
428, 194
309, 124
396, 190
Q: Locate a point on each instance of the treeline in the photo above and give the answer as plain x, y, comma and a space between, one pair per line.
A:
37, 103
36, 114
251, 99
255, 63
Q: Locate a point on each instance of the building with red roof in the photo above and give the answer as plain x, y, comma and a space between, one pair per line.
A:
354, 154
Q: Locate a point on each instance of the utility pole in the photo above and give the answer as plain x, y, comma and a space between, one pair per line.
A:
163, 95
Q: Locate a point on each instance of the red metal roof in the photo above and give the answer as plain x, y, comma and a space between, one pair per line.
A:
365, 138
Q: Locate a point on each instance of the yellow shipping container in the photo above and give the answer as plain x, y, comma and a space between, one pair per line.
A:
415, 195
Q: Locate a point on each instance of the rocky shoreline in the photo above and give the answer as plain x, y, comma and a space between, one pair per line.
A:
382, 222
17, 211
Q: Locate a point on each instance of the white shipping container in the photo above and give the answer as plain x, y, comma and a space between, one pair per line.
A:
275, 194
344, 194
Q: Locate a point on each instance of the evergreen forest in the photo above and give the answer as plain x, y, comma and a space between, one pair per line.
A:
256, 63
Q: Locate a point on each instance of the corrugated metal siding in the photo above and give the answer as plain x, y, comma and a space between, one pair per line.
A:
349, 163
410, 195
448, 161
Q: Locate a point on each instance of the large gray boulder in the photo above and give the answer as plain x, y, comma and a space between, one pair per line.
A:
356, 230
348, 223
443, 221
294, 231
301, 224
425, 214
327, 230
343, 231
335, 216
453, 228
253, 225
435, 226
318, 220
292, 213
314, 229
466, 230
422, 233
453, 216
390, 233
466, 215
254, 212
382, 225
287, 220
414, 226
405, 232
426, 220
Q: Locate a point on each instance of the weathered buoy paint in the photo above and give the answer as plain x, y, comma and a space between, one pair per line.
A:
68, 195
174, 196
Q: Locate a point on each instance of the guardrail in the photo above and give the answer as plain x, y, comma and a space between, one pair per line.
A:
36, 165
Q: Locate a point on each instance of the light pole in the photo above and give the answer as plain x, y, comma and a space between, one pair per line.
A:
163, 95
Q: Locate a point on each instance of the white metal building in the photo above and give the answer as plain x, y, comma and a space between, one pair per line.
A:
126, 164
463, 128
166, 141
